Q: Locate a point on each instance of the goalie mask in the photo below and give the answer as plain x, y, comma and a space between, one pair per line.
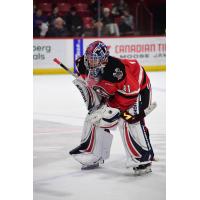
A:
95, 58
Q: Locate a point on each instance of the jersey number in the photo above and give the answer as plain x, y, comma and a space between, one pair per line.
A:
127, 88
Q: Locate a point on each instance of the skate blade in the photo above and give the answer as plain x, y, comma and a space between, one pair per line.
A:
140, 172
89, 167
133, 164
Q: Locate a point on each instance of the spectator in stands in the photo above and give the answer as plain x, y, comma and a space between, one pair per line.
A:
55, 14
119, 7
58, 29
74, 23
128, 19
98, 27
109, 26
93, 6
40, 23
89, 28
124, 28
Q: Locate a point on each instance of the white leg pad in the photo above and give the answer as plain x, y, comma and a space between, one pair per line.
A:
99, 145
130, 132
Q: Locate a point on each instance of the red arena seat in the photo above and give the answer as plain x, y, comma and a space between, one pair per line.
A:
72, 2
88, 22
108, 5
80, 7
84, 13
46, 8
60, 1
117, 20
63, 8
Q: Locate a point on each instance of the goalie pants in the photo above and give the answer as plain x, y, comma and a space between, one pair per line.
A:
135, 136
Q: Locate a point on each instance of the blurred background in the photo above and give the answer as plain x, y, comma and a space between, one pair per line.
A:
132, 29
86, 18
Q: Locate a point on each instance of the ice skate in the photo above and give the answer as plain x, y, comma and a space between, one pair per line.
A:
92, 166
142, 169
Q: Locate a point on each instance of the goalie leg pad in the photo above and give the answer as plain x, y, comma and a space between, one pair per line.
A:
95, 145
135, 136
136, 141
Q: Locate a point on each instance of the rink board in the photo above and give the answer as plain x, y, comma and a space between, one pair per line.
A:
149, 51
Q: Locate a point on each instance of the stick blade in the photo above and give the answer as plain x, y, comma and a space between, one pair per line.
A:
150, 108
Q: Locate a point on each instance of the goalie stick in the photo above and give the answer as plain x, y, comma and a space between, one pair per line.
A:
124, 115
64, 67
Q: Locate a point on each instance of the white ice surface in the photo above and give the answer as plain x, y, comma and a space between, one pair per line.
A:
58, 118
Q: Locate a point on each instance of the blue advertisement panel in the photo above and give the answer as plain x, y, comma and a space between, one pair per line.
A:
78, 50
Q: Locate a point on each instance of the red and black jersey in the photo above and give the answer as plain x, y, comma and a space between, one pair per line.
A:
122, 80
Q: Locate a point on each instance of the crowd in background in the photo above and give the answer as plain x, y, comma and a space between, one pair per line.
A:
115, 20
